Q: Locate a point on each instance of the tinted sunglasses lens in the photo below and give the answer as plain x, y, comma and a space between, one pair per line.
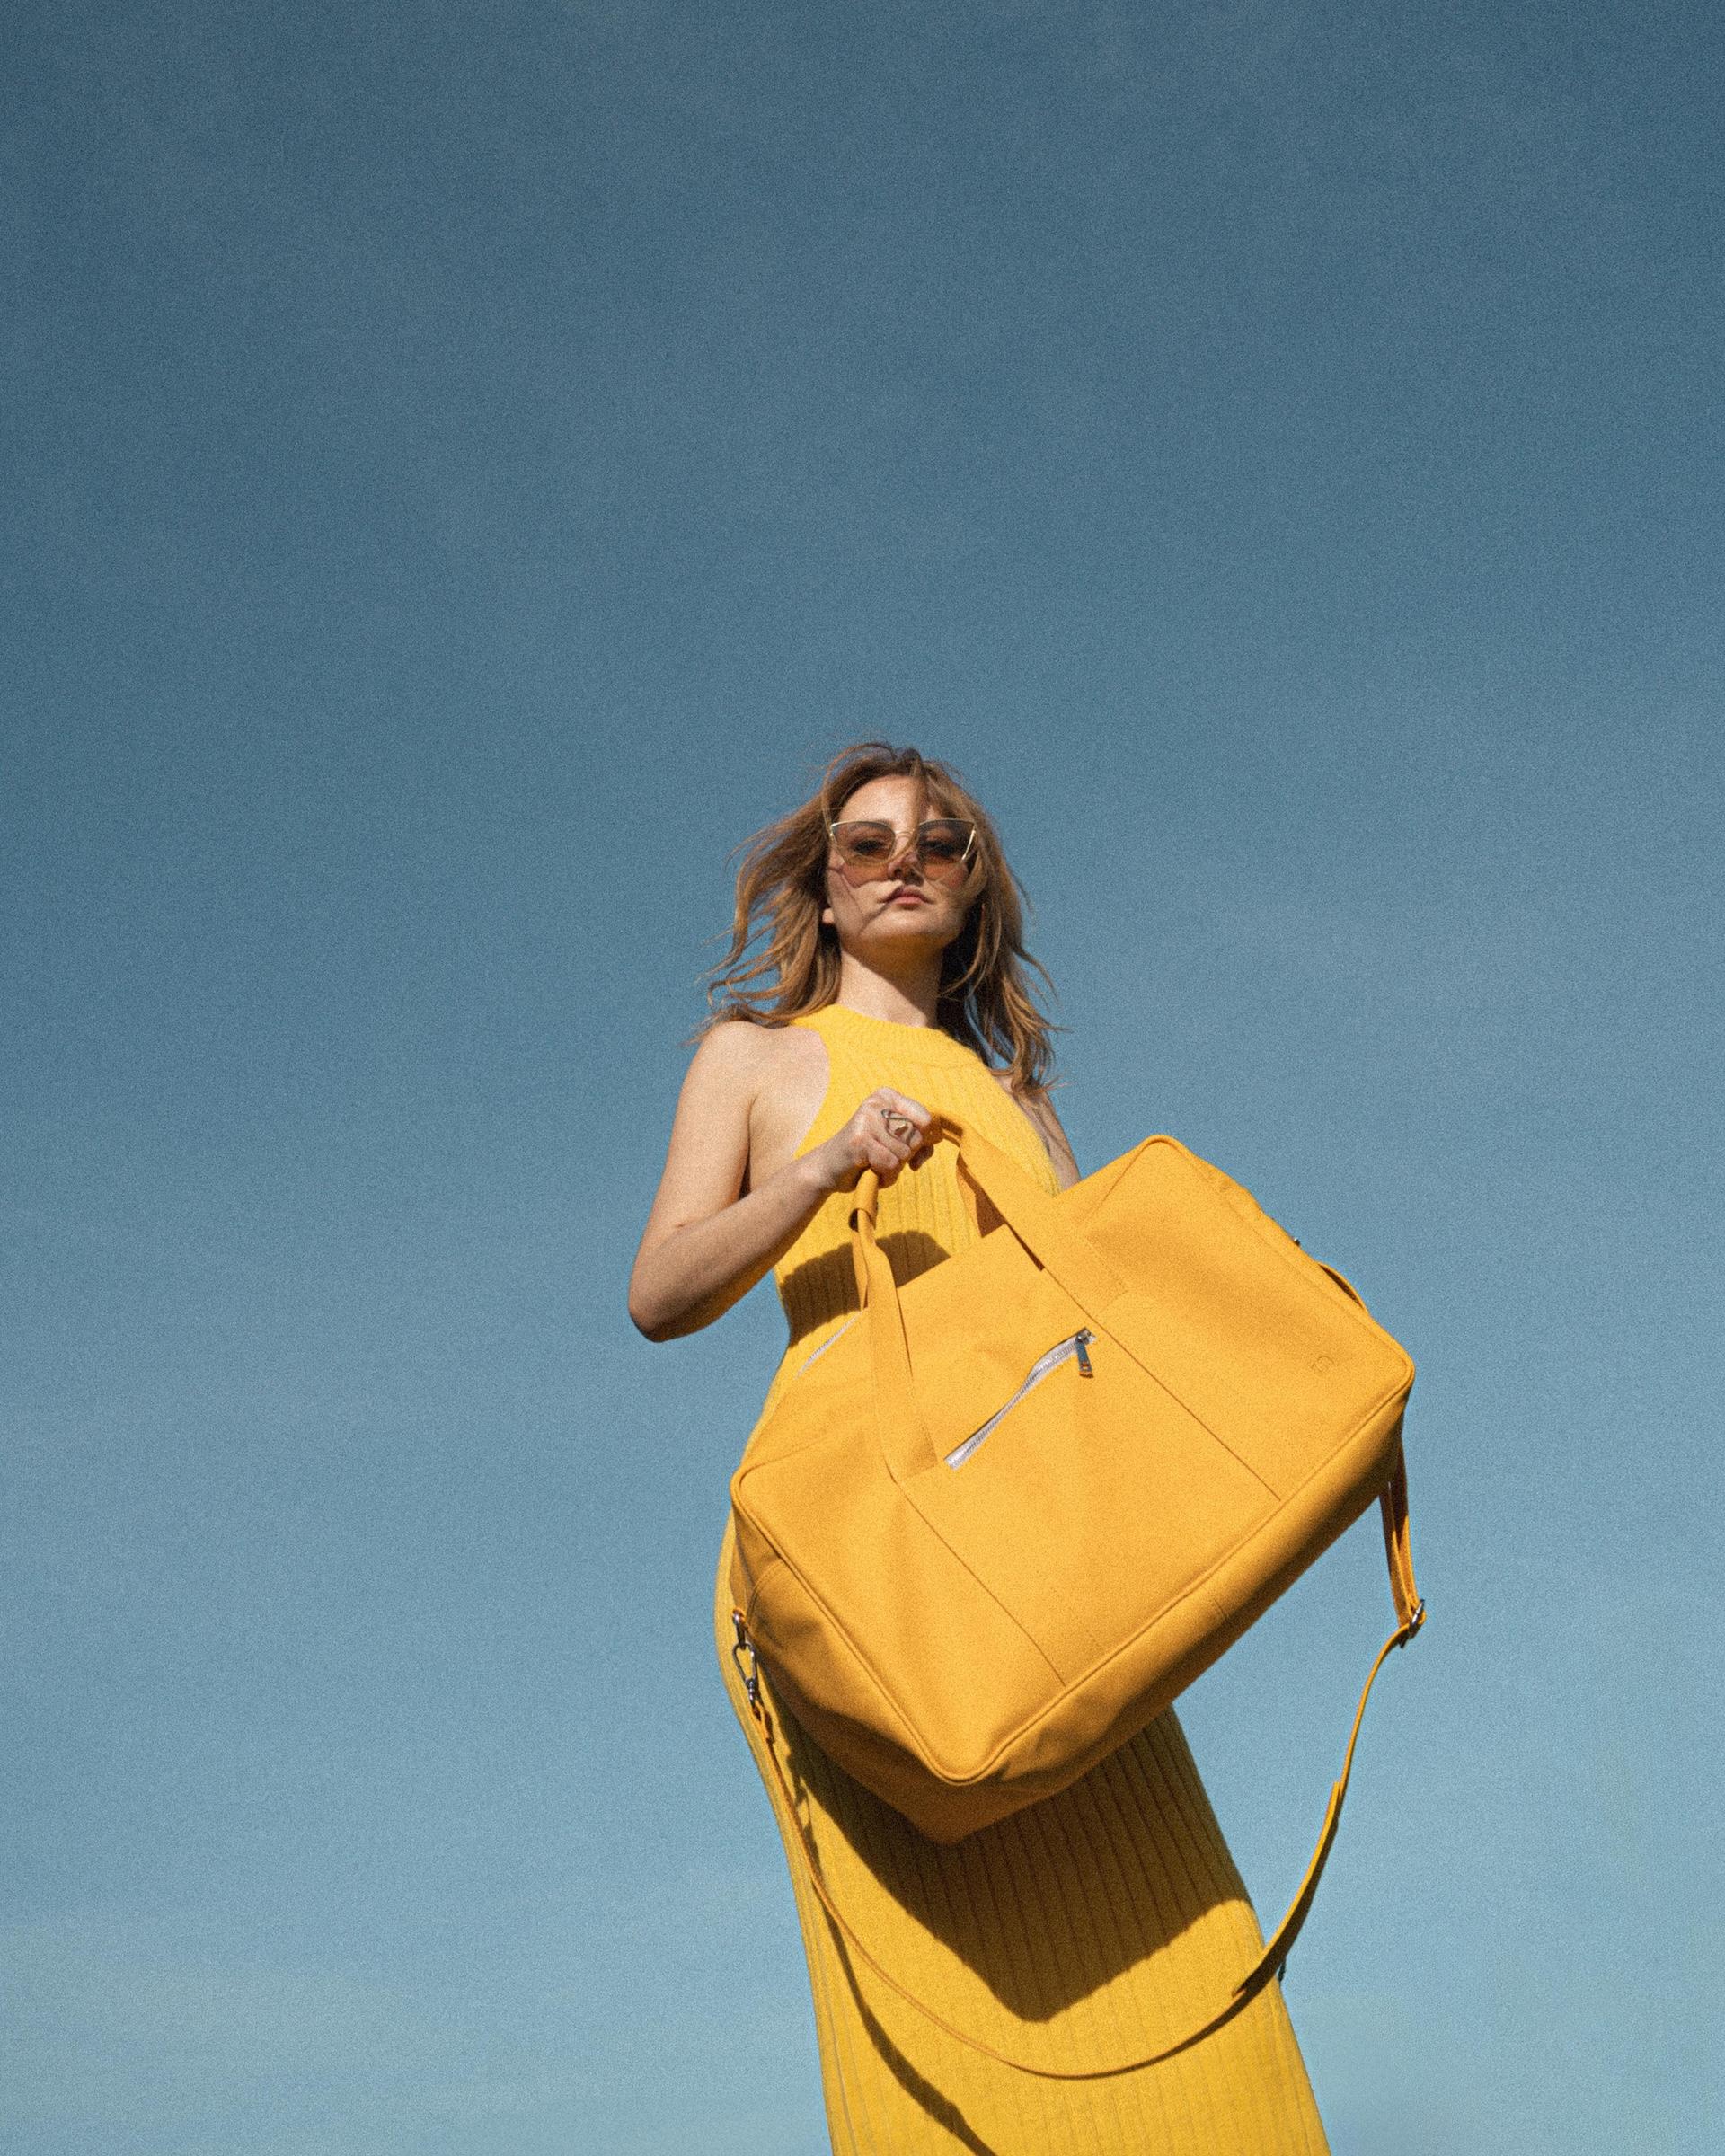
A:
865, 851
945, 851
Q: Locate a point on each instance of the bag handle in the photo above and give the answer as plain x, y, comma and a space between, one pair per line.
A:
1044, 1228
1036, 1217
1411, 1614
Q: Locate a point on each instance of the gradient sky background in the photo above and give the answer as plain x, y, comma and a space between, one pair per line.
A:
465, 466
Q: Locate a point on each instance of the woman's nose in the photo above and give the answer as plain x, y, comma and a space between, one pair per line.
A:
907, 862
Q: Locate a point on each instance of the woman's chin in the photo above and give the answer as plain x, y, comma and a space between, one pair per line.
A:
911, 925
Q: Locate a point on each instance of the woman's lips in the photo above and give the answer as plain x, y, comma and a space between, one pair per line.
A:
910, 897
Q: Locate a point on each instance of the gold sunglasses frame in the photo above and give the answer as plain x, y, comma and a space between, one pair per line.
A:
915, 841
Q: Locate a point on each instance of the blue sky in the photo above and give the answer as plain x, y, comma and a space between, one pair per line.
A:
466, 467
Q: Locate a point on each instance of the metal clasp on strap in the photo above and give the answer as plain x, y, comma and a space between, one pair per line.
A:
741, 1646
748, 1668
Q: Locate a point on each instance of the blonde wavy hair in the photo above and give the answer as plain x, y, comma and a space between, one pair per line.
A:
784, 960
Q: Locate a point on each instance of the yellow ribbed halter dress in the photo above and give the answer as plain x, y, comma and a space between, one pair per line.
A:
1076, 1934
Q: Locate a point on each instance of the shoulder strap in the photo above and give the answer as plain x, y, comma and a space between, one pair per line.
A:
1410, 1613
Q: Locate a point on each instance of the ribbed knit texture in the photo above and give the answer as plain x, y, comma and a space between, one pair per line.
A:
924, 1213
1080, 1931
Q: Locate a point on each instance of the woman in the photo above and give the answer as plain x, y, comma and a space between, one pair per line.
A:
1093, 1927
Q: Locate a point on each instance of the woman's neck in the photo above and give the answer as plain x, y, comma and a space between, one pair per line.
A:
908, 999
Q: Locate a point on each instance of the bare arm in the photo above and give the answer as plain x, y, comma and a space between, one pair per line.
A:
707, 1241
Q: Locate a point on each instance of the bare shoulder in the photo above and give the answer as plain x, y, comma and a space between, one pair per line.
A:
791, 1071
759, 1058
731, 1046
765, 1082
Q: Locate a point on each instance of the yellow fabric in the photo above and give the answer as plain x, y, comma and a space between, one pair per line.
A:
924, 1213
1075, 1930
1082, 1458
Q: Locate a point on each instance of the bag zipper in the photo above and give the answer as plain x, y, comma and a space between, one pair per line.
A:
827, 1342
1074, 1348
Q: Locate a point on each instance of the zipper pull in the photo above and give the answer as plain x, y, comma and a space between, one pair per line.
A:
1081, 1347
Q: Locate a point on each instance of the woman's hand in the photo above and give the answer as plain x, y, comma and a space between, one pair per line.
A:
886, 1130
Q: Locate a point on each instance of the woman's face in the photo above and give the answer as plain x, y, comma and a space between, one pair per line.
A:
905, 910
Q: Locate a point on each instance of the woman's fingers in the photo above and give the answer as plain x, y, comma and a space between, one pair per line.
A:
888, 1129
905, 1120
903, 1129
885, 1152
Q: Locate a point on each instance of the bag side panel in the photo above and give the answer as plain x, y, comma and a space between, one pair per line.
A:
1245, 1330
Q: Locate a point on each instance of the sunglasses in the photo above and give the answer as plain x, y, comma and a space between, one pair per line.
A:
868, 852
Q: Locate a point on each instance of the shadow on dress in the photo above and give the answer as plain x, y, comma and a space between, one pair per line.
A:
828, 1284
921, 2091
1048, 1907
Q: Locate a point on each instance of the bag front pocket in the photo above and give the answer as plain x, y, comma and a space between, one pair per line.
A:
1090, 1509
1076, 1347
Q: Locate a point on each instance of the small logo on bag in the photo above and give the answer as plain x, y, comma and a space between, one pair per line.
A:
1322, 1364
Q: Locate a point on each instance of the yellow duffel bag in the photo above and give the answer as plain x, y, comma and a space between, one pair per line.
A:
1012, 1508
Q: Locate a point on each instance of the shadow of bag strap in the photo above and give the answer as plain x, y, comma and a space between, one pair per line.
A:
1270, 1962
